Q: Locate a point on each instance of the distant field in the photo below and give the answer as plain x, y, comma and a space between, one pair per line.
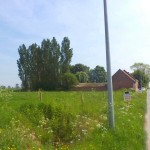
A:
70, 121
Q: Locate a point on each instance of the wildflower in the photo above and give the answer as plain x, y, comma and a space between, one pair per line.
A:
77, 116
95, 121
87, 123
92, 128
50, 131
89, 119
71, 142
98, 125
84, 131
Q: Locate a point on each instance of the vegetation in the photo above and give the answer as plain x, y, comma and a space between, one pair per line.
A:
79, 68
70, 121
69, 80
84, 74
82, 77
43, 67
141, 72
141, 77
97, 75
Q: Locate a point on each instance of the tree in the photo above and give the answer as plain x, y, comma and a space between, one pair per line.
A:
141, 77
141, 72
41, 67
23, 66
34, 66
69, 80
66, 55
46, 69
17, 86
141, 66
98, 74
55, 65
79, 68
82, 77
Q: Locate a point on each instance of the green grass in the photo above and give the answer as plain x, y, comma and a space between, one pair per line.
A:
71, 120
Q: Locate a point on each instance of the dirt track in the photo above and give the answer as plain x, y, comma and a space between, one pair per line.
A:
147, 121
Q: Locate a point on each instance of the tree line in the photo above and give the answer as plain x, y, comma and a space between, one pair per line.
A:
141, 72
48, 67
42, 66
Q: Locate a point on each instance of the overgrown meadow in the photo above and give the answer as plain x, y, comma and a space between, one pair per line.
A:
70, 121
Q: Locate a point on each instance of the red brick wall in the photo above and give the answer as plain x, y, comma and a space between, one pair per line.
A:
90, 88
121, 80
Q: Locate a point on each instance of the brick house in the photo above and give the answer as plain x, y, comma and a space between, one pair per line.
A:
123, 79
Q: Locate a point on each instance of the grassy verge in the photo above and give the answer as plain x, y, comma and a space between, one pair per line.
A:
71, 120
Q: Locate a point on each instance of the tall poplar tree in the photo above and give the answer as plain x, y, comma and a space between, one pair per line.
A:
24, 66
55, 65
35, 62
46, 63
66, 55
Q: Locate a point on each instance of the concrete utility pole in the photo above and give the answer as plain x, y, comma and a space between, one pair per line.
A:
109, 77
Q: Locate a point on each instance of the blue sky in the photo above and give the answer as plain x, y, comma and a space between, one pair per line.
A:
30, 21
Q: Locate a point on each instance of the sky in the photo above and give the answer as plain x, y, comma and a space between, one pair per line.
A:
82, 21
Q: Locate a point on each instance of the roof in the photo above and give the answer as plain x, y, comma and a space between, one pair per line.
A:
130, 75
127, 74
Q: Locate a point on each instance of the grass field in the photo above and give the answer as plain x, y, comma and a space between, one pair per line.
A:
70, 121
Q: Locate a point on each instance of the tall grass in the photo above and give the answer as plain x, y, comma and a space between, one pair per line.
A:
71, 120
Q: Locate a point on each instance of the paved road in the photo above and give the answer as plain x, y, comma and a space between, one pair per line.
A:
147, 120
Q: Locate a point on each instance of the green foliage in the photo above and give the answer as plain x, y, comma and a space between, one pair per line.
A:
98, 75
66, 55
82, 77
140, 66
5, 95
31, 112
54, 125
141, 77
85, 74
69, 80
41, 67
141, 73
62, 126
79, 68
47, 110
23, 65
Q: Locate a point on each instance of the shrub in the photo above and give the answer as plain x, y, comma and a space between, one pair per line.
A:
46, 110
5, 95
82, 77
69, 80
31, 112
62, 126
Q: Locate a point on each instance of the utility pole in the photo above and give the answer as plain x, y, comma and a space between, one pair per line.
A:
109, 77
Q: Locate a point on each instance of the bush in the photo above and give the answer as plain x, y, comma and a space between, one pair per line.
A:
31, 112
62, 126
5, 95
68, 81
82, 77
46, 110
